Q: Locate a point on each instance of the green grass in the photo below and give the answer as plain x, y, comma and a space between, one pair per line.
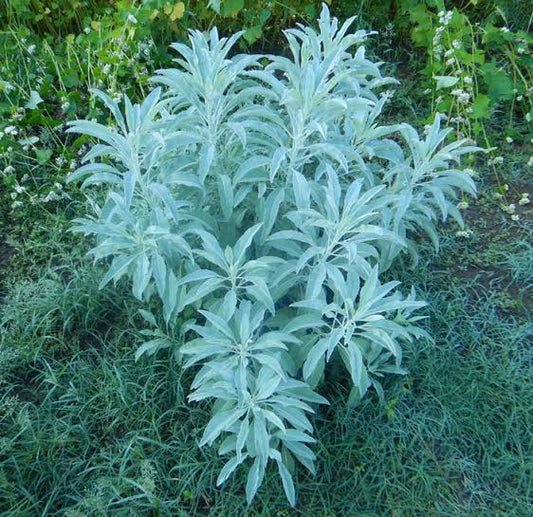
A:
86, 431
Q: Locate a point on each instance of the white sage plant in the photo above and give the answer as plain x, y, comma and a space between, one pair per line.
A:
258, 198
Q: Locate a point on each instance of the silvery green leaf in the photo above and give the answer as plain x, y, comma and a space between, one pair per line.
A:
287, 482
207, 155
300, 189
148, 316
159, 271
303, 454
255, 478
164, 194
112, 106
260, 292
277, 158
247, 170
271, 362
225, 190
244, 242
230, 467
212, 250
219, 423
119, 266
242, 436
315, 281
315, 358
151, 347
170, 298
141, 276
271, 209
219, 323
304, 322
201, 290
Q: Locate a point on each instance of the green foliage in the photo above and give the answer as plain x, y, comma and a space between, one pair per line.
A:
475, 70
259, 200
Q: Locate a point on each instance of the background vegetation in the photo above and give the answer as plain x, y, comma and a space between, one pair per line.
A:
84, 430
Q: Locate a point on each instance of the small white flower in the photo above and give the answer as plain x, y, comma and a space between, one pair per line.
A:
106, 68
87, 30
450, 61
463, 205
530, 162
456, 44
19, 189
9, 169
515, 217
468, 80
31, 49
504, 29
528, 117
466, 234
520, 50
16, 204
464, 98
131, 19
11, 130
509, 140
520, 98
510, 209
524, 200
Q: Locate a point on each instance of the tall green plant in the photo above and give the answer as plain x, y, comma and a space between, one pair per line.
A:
258, 197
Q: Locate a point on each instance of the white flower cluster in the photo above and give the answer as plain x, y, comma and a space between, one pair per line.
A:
445, 17
497, 160
509, 209
465, 234
10, 130
18, 114
524, 199
51, 196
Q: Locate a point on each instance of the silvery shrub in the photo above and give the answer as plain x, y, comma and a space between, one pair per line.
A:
258, 199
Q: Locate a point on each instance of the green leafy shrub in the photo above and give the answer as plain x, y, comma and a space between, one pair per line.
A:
257, 198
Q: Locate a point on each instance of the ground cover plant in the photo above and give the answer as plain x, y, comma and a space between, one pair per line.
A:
86, 430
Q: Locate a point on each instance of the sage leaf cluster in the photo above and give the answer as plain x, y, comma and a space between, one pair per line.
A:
258, 199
